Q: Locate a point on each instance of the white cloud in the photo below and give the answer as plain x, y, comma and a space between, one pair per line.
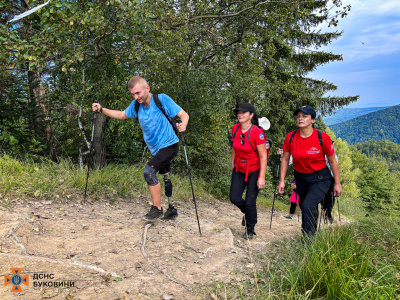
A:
374, 7
370, 45
371, 29
392, 7
365, 76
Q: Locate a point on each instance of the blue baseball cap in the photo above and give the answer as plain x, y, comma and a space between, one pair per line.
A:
307, 109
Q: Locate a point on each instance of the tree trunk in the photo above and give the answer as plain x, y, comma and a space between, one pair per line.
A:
99, 151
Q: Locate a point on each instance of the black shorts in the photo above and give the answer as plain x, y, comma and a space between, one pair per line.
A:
161, 162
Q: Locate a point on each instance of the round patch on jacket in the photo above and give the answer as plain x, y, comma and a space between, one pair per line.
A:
261, 136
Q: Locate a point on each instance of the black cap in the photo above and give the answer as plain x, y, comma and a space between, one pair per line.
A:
245, 107
308, 110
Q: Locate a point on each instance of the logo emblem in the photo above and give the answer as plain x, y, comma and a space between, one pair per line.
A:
261, 136
313, 150
16, 280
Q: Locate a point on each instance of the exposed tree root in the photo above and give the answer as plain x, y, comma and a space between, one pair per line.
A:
144, 241
23, 249
12, 230
149, 260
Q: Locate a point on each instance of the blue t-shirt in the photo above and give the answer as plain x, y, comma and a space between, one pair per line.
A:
157, 131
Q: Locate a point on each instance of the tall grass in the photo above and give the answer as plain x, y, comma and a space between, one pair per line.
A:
45, 180
358, 261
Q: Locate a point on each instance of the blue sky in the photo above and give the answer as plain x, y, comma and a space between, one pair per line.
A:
370, 45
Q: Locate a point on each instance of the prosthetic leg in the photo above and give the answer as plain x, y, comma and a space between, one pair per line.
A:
171, 213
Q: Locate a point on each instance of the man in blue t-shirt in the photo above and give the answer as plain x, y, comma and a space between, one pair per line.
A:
158, 135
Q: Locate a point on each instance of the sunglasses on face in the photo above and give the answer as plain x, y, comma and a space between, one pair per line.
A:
241, 138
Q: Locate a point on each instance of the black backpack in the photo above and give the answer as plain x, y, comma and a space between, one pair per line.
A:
319, 137
248, 137
159, 105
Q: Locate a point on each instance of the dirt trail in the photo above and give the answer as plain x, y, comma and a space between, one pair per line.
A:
92, 245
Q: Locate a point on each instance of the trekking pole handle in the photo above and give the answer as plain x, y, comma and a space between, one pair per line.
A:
280, 155
183, 139
97, 101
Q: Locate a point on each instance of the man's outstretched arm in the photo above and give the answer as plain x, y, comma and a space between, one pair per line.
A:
115, 114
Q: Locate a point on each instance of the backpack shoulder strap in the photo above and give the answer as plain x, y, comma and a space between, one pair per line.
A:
320, 140
248, 134
291, 137
158, 103
170, 120
137, 104
248, 137
237, 128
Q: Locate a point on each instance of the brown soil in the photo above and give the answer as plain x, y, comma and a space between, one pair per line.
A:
101, 249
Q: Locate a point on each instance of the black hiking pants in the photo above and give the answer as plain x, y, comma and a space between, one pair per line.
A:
311, 188
247, 205
292, 208
329, 200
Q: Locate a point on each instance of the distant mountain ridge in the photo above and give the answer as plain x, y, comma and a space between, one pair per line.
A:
379, 125
345, 114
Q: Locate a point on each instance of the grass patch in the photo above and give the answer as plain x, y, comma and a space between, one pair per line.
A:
359, 261
46, 180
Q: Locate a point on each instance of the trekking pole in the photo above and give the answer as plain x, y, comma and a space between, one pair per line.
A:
320, 217
90, 152
275, 194
337, 198
190, 177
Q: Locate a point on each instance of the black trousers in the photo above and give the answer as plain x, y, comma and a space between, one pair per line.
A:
292, 208
247, 205
311, 188
329, 200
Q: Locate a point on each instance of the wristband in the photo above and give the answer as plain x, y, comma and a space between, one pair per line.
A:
101, 109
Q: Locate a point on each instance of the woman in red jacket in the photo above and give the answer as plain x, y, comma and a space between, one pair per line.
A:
249, 164
311, 172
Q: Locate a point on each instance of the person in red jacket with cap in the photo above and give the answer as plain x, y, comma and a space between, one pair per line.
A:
249, 164
312, 175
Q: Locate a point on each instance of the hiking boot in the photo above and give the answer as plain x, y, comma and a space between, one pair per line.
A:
330, 219
170, 214
288, 217
153, 214
248, 235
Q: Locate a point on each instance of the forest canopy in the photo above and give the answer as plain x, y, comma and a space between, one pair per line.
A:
209, 56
